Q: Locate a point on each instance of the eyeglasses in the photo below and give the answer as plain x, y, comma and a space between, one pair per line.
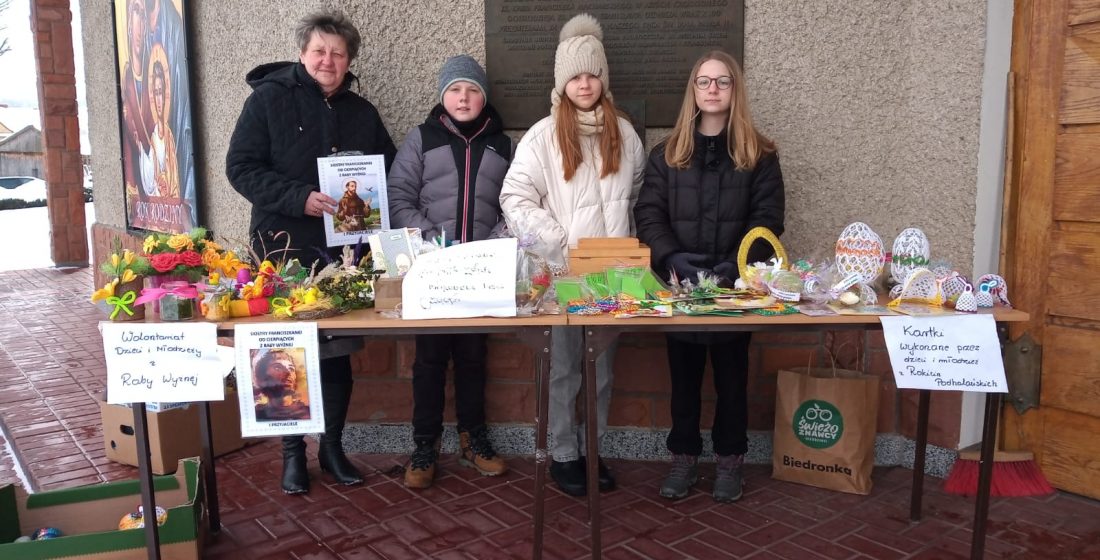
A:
703, 82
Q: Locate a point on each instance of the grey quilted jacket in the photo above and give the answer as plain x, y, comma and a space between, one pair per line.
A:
443, 182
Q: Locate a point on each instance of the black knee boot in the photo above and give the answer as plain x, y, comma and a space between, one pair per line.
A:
295, 474
336, 397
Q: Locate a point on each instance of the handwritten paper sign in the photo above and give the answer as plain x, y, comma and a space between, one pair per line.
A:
475, 279
959, 353
162, 362
279, 379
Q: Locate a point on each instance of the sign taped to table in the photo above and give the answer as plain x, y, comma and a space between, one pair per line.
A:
162, 362
959, 353
278, 379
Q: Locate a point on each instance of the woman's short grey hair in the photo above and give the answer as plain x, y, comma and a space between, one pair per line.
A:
333, 23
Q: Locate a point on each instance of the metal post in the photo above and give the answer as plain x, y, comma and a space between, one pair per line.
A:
145, 478
917, 495
209, 474
985, 474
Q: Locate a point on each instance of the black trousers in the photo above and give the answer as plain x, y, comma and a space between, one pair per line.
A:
433, 352
729, 359
336, 370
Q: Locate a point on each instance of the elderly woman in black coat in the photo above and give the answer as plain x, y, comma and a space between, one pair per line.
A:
298, 112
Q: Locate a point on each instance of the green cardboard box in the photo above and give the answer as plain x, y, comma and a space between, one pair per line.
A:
88, 518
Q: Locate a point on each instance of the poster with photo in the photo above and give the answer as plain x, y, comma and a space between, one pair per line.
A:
358, 183
154, 100
281, 392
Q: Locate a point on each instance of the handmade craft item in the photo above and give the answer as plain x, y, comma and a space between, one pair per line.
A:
911, 250
983, 298
754, 234
136, 520
995, 286
953, 285
920, 286
46, 533
966, 301
125, 273
859, 250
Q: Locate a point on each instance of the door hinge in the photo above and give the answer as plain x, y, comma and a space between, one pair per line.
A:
1023, 360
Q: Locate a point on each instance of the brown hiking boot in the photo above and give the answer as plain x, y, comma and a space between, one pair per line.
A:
475, 450
420, 470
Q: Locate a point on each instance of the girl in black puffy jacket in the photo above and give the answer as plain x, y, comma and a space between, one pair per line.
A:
712, 180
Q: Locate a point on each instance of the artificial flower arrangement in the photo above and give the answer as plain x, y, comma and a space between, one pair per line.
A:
125, 271
181, 255
344, 284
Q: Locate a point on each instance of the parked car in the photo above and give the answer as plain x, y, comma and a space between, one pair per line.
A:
27, 189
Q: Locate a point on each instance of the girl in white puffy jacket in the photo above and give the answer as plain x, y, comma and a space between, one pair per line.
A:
576, 173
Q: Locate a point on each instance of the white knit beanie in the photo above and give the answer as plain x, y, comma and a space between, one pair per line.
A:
580, 51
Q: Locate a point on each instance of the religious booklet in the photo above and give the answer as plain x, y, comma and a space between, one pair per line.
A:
358, 183
279, 379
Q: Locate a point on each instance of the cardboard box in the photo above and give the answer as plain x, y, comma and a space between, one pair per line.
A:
596, 254
387, 293
173, 434
88, 518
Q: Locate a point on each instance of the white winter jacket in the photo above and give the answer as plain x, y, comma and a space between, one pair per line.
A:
538, 202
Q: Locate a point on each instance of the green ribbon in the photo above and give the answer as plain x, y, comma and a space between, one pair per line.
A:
122, 304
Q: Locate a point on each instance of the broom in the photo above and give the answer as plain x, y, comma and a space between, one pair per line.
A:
1015, 473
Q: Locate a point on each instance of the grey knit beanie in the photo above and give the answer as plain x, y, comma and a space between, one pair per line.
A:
462, 68
580, 51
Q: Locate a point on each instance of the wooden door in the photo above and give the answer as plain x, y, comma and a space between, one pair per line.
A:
1053, 220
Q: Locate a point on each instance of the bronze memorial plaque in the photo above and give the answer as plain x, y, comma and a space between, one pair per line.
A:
650, 44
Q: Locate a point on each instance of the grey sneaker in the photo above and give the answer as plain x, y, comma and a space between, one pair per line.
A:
681, 477
727, 478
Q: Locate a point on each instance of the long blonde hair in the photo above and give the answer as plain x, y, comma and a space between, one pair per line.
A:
569, 137
746, 145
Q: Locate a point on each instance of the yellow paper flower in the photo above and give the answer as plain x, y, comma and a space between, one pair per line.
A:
181, 242
128, 276
230, 264
106, 291
128, 257
115, 259
149, 244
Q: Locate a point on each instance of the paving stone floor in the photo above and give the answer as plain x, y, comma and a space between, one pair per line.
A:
51, 373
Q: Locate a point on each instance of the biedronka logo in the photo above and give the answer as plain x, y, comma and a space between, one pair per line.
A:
818, 424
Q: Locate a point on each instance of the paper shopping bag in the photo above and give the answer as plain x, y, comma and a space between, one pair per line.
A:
825, 428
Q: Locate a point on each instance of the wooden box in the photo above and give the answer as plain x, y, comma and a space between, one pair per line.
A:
596, 254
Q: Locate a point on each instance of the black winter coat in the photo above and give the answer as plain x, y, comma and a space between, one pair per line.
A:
286, 124
708, 207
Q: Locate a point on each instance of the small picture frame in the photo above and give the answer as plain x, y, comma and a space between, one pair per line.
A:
279, 379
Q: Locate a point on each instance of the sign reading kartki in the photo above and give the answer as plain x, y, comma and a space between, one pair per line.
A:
957, 353
475, 279
162, 362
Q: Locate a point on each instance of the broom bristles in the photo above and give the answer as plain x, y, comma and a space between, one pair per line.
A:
1010, 479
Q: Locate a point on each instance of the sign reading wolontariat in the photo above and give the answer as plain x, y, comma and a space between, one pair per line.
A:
650, 44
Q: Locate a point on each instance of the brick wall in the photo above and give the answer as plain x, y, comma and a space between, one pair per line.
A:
51, 23
383, 389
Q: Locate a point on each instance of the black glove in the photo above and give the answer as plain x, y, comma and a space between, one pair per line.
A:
685, 265
727, 272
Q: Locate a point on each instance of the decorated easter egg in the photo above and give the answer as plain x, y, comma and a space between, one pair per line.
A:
859, 250
46, 533
136, 520
911, 249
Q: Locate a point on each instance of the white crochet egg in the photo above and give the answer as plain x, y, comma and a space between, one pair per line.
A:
911, 250
859, 250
